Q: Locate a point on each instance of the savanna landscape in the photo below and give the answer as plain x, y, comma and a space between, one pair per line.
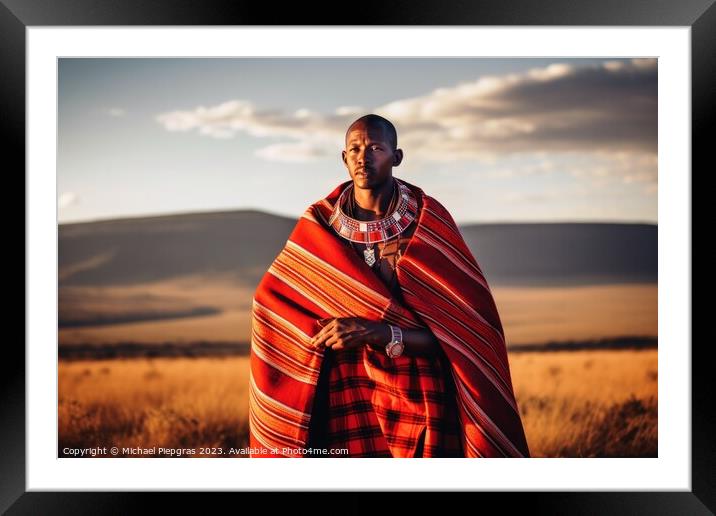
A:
154, 328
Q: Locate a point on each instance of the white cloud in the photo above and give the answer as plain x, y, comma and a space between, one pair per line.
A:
302, 113
614, 66
116, 112
350, 110
291, 152
618, 167
609, 107
553, 71
645, 63
306, 128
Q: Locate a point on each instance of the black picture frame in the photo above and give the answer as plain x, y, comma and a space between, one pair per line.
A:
17, 15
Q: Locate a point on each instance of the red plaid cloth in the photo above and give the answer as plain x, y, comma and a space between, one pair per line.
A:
460, 404
345, 417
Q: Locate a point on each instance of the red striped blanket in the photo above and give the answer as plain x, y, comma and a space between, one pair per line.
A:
317, 276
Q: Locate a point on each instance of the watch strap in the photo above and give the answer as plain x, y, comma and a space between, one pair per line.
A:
396, 334
396, 337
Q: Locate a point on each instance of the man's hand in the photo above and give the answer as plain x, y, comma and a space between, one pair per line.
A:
350, 332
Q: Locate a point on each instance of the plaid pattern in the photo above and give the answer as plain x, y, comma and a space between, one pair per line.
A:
348, 415
461, 404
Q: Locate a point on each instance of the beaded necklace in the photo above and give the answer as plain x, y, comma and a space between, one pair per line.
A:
370, 232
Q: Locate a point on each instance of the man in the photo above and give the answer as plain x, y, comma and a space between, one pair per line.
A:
374, 332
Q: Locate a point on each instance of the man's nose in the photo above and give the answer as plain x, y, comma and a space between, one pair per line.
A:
364, 157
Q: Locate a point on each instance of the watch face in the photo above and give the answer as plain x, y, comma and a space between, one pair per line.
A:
396, 349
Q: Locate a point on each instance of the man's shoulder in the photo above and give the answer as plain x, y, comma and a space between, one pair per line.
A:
317, 212
434, 205
437, 212
425, 199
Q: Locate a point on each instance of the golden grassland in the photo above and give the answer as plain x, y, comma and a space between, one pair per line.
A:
167, 402
573, 404
588, 403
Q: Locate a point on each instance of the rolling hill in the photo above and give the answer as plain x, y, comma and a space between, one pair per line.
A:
194, 274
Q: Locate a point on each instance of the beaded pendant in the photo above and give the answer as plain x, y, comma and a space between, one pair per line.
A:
369, 255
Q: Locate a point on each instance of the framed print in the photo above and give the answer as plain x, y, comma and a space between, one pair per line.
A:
57, 56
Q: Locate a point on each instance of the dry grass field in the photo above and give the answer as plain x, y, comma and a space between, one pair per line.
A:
573, 404
588, 403
173, 403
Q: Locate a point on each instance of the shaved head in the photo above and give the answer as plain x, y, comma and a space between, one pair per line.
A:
371, 153
377, 122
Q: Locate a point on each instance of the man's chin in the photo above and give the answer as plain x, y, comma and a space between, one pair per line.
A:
366, 182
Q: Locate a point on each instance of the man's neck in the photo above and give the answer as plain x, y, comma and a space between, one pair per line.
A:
372, 204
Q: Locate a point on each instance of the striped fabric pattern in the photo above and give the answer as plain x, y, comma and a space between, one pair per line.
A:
392, 401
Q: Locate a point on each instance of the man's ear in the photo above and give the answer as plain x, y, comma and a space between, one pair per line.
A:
343, 157
397, 157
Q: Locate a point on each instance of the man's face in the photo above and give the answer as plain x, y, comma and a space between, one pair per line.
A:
369, 156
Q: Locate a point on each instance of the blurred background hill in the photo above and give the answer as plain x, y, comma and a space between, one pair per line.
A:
188, 279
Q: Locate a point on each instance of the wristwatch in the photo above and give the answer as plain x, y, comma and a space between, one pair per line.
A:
395, 347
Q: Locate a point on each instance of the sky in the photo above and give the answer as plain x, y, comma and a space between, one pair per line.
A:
494, 140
